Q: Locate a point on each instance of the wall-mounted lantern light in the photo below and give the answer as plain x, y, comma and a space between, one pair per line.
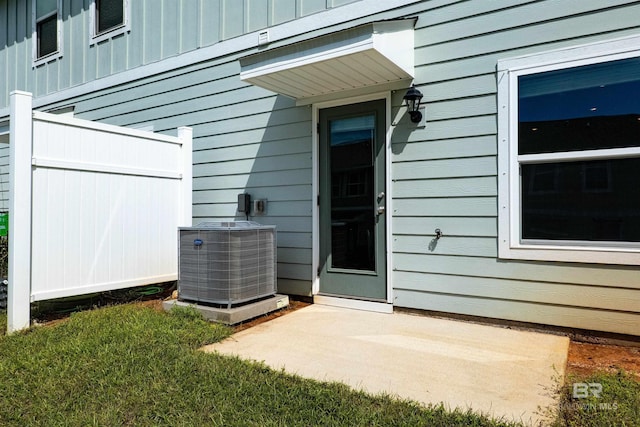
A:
412, 98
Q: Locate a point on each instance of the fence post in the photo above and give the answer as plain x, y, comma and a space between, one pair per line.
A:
185, 134
20, 154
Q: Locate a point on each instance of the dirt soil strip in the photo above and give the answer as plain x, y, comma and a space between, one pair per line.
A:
586, 358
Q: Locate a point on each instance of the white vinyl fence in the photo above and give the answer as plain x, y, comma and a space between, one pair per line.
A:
92, 207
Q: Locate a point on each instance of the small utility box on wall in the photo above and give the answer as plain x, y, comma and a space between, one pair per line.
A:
244, 203
260, 207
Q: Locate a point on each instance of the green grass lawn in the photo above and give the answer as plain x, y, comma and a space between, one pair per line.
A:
617, 402
133, 365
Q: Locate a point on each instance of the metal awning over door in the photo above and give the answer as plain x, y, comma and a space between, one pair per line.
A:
363, 58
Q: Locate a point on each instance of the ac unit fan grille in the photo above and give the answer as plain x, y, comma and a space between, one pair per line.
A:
227, 265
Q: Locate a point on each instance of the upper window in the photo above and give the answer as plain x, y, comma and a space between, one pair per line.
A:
46, 30
4, 132
108, 19
570, 157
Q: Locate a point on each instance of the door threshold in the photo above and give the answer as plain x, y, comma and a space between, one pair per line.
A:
356, 304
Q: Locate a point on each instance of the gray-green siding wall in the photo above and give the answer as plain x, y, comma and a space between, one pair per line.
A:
444, 176
160, 29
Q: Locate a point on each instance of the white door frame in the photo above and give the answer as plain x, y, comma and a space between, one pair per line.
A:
346, 302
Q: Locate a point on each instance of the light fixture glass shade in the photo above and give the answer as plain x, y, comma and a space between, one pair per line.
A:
412, 99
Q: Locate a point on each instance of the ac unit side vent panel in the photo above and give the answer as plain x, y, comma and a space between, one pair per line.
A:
227, 263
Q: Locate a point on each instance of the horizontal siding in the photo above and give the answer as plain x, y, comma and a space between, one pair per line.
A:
279, 193
449, 129
300, 130
444, 175
473, 106
281, 147
294, 287
280, 163
445, 187
278, 209
452, 245
523, 311
450, 225
445, 168
260, 179
536, 33
199, 110
523, 16
445, 149
490, 267
415, 206
159, 29
610, 298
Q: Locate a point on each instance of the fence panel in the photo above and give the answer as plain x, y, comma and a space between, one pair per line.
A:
105, 206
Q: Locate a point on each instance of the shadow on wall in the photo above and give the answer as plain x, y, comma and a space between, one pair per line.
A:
402, 128
281, 174
281, 177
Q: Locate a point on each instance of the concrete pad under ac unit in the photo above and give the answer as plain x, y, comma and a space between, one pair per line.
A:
234, 315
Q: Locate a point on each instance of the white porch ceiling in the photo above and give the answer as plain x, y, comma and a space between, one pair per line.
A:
372, 55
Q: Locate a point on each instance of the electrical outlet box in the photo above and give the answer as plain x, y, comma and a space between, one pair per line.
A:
260, 207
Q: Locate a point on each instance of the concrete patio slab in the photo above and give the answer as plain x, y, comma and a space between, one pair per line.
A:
502, 372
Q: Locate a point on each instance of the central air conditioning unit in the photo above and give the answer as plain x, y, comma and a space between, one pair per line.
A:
226, 263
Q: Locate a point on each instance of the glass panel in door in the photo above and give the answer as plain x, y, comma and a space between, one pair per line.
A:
352, 199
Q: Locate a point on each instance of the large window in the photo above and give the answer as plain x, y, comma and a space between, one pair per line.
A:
108, 19
46, 30
570, 156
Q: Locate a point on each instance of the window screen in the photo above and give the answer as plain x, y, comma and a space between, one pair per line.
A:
46, 27
109, 15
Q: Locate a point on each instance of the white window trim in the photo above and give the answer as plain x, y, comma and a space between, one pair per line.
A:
34, 35
509, 244
115, 31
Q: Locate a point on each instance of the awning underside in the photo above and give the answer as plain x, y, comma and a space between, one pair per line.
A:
375, 54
